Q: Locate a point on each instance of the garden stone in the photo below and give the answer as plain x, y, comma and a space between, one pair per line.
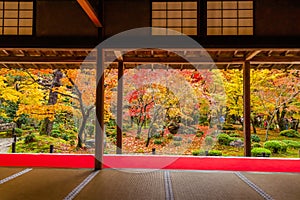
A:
237, 143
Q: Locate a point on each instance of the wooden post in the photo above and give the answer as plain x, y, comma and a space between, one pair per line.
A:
120, 107
247, 109
99, 137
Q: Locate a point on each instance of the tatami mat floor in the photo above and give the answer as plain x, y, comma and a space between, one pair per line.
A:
110, 184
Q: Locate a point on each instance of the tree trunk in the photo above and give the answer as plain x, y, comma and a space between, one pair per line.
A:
253, 125
47, 129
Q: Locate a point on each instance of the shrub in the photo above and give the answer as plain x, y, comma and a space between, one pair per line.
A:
56, 133
292, 144
199, 133
209, 140
255, 138
275, 146
224, 139
177, 138
156, 135
72, 142
18, 132
65, 136
258, 152
255, 145
170, 136
290, 133
29, 138
157, 141
214, 153
228, 127
234, 135
198, 152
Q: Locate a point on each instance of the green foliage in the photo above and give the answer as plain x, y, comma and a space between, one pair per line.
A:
177, 138
292, 144
255, 138
65, 136
258, 152
215, 153
290, 133
255, 145
72, 142
199, 133
234, 134
275, 146
198, 152
30, 138
170, 136
157, 141
56, 133
90, 129
224, 139
156, 135
227, 127
18, 132
111, 132
208, 140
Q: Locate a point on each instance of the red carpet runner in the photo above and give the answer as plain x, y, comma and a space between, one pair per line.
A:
152, 162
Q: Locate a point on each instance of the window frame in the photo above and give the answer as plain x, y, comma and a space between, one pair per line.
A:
17, 18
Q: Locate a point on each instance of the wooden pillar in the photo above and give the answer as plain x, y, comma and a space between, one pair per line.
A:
247, 109
120, 106
99, 137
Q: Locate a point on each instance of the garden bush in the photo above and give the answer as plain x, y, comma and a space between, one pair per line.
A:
292, 144
156, 135
255, 138
224, 139
170, 136
65, 136
199, 133
29, 138
214, 153
157, 141
258, 152
275, 146
198, 152
18, 132
255, 145
228, 127
290, 133
233, 134
56, 133
208, 140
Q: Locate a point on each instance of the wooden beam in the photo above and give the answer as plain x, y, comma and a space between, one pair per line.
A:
275, 59
252, 55
247, 109
88, 9
120, 107
47, 59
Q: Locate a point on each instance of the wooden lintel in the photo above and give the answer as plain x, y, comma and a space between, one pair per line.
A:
275, 59
47, 59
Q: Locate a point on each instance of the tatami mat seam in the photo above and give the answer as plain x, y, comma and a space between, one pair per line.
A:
15, 175
260, 191
76, 190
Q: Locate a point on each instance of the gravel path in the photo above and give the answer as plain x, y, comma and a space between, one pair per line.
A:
5, 144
